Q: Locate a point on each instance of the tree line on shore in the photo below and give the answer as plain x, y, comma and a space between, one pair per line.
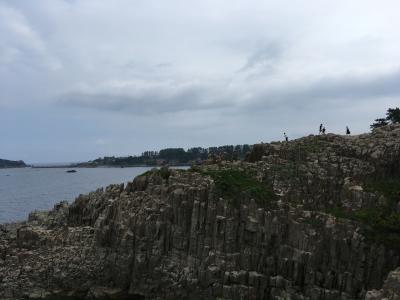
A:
175, 156
180, 156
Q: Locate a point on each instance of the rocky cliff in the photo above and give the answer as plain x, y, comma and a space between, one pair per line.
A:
314, 218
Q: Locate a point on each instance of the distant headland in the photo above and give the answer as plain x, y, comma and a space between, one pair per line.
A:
4, 163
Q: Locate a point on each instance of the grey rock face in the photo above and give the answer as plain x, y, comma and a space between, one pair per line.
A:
390, 289
171, 235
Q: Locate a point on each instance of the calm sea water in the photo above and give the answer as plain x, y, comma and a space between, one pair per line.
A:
27, 189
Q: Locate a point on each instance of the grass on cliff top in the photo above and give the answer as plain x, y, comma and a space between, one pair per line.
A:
234, 186
383, 227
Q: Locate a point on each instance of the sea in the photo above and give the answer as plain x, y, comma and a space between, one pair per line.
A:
23, 190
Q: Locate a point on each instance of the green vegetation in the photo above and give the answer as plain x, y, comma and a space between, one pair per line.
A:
231, 185
147, 173
174, 156
383, 222
379, 123
163, 172
392, 117
234, 186
382, 227
377, 219
389, 187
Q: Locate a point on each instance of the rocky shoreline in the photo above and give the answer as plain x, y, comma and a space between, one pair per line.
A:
291, 222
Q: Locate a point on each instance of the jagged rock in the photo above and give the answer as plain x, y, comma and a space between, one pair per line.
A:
173, 234
390, 289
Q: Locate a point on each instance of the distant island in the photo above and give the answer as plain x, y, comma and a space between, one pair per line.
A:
4, 163
172, 157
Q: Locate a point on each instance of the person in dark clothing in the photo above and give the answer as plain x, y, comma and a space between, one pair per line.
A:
320, 128
286, 137
323, 130
347, 130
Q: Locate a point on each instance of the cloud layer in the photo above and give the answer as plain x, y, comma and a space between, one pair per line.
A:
146, 75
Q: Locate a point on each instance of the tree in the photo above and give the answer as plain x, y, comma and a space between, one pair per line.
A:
379, 123
392, 117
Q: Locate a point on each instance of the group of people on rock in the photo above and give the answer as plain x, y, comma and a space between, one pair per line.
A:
322, 130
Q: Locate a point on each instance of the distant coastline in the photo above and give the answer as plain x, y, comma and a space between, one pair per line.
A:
90, 165
173, 157
7, 164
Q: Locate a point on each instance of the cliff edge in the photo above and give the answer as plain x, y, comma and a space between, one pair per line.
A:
314, 218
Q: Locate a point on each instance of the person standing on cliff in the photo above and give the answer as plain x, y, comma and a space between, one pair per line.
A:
286, 137
347, 130
323, 130
320, 128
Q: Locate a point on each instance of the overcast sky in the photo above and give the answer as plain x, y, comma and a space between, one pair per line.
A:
83, 79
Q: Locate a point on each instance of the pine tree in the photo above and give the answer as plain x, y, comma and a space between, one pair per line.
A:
392, 117
379, 123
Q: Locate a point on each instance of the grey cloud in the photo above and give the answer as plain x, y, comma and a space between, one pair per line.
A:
328, 89
186, 65
155, 100
164, 65
356, 88
149, 102
264, 56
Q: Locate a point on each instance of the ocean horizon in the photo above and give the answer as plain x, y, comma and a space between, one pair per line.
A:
23, 190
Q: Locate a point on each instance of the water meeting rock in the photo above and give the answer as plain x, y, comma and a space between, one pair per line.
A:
297, 220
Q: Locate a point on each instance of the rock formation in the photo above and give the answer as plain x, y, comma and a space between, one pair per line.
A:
314, 218
390, 290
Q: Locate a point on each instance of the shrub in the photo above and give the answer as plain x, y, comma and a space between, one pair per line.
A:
235, 186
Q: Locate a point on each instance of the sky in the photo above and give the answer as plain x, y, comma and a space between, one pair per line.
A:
90, 78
